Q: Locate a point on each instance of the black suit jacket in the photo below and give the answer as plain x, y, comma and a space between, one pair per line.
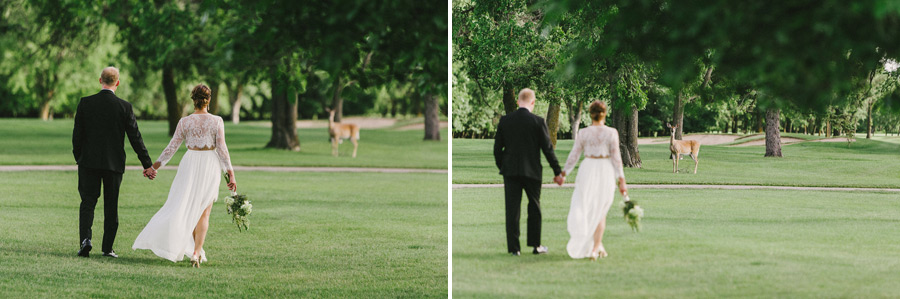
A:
520, 138
98, 140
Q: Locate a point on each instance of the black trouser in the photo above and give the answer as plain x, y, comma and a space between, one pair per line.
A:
89, 188
513, 186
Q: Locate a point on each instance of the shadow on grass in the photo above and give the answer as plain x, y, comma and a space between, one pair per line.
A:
526, 258
96, 257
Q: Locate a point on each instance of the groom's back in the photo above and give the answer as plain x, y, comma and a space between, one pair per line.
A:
520, 134
101, 118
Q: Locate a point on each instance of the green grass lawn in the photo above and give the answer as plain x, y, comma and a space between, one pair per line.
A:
695, 243
867, 163
350, 235
35, 142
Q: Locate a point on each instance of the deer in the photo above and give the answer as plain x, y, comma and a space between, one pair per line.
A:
339, 132
681, 147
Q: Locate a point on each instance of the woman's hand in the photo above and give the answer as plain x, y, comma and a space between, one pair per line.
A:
232, 183
622, 187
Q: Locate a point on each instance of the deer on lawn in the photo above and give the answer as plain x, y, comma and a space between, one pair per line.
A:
682, 147
339, 132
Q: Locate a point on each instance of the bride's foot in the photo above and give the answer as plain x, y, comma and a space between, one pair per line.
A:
195, 261
600, 253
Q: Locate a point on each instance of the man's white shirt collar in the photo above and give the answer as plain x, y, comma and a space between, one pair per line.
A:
114, 92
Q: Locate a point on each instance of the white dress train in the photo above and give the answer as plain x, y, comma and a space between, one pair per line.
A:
595, 185
169, 234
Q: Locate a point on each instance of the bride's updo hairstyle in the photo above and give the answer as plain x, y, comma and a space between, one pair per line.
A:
597, 110
200, 95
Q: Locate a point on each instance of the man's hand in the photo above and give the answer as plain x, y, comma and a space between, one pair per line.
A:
150, 173
559, 180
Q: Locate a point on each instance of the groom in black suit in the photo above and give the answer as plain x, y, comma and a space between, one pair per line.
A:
101, 123
520, 139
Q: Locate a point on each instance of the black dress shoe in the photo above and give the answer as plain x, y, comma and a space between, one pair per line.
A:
85, 250
540, 249
111, 254
515, 253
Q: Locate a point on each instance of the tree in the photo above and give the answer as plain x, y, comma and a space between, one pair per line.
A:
668, 32
497, 43
161, 37
773, 136
53, 40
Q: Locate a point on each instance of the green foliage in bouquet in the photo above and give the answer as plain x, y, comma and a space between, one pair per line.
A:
239, 207
633, 214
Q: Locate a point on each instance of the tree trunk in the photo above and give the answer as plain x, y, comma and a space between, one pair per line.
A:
337, 102
509, 100
745, 124
734, 125
214, 97
172, 107
678, 115
773, 136
432, 120
553, 122
394, 106
45, 106
869, 119
828, 128
575, 116
45, 91
626, 122
235, 100
284, 118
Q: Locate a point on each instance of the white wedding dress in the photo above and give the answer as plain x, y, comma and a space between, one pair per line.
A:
595, 185
195, 188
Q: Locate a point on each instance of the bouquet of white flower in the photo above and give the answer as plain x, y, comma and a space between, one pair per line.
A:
633, 213
239, 207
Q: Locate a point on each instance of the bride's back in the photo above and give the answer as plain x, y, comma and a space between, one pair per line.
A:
199, 131
596, 140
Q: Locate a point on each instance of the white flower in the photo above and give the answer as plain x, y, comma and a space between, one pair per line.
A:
636, 212
247, 208
891, 65
229, 200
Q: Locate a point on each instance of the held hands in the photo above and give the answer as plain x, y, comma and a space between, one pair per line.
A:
150, 173
560, 179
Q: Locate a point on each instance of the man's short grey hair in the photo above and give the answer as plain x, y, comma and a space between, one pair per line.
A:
109, 76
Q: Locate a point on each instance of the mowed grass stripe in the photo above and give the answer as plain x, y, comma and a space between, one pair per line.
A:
866, 163
35, 142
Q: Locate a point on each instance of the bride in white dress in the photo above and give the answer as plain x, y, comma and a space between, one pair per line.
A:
595, 185
179, 228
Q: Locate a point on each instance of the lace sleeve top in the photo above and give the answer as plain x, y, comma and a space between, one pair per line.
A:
596, 141
199, 132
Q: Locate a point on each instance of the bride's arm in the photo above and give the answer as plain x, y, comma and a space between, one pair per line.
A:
616, 157
173, 146
224, 157
574, 155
